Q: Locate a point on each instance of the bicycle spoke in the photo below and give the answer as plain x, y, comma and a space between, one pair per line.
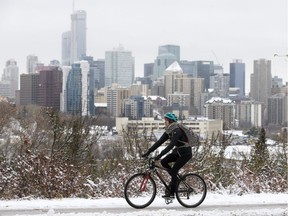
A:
140, 190
191, 191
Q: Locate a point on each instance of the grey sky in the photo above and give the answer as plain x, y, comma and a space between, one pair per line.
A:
231, 29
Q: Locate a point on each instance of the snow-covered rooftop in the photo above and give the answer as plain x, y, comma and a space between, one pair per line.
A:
174, 67
219, 100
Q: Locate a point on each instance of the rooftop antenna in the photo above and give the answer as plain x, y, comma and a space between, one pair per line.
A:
73, 6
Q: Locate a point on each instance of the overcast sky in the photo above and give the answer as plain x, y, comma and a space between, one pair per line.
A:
217, 30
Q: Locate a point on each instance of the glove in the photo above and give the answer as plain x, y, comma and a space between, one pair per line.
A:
158, 157
145, 154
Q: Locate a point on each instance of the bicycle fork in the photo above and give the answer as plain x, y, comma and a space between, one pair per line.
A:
144, 182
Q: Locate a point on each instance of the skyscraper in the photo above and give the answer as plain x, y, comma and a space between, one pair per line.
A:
31, 63
78, 35
204, 69
119, 67
50, 87
167, 54
11, 77
66, 48
261, 81
29, 88
277, 109
79, 90
237, 76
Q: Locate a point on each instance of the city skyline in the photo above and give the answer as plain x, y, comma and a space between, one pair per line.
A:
203, 30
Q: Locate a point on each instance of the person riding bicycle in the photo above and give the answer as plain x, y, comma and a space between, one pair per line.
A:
180, 154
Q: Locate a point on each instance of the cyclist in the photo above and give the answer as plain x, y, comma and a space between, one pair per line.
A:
180, 154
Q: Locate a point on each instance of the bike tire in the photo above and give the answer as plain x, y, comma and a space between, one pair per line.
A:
140, 190
191, 190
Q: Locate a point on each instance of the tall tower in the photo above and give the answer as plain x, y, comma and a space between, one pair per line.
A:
261, 81
237, 75
50, 87
119, 67
167, 54
66, 48
31, 63
11, 77
204, 69
78, 35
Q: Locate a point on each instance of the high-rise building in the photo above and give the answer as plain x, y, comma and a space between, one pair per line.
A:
119, 67
248, 113
31, 63
175, 82
50, 87
66, 48
29, 88
115, 95
237, 76
99, 73
221, 108
219, 82
136, 107
188, 67
174, 70
261, 81
167, 54
204, 69
277, 109
148, 69
80, 90
78, 35
10, 76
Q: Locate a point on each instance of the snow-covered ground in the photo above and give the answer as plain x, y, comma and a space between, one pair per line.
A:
214, 204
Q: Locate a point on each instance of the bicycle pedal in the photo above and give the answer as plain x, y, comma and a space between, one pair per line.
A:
168, 200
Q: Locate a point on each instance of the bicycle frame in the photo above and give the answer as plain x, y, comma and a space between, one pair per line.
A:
153, 168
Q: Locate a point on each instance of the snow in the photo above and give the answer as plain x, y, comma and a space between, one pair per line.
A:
212, 205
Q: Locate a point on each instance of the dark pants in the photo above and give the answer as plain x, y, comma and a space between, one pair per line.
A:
180, 161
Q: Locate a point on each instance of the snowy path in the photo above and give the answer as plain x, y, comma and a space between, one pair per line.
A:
214, 204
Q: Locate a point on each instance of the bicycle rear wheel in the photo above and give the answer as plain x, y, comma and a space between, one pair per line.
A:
191, 190
140, 190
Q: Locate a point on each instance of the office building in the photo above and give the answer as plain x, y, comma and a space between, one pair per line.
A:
31, 63
277, 109
148, 70
219, 82
167, 54
78, 35
66, 48
119, 67
10, 79
237, 76
136, 107
115, 95
261, 81
50, 87
80, 90
29, 88
175, 81
249, 113
221, 108
203, 69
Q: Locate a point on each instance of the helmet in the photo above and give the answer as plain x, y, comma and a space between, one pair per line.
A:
171, 116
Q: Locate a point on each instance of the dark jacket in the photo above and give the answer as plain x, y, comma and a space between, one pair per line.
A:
176, 135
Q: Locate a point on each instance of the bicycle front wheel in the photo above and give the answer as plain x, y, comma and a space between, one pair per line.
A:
191, 190
140, 190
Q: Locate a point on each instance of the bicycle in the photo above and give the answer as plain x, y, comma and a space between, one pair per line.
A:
140, 189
